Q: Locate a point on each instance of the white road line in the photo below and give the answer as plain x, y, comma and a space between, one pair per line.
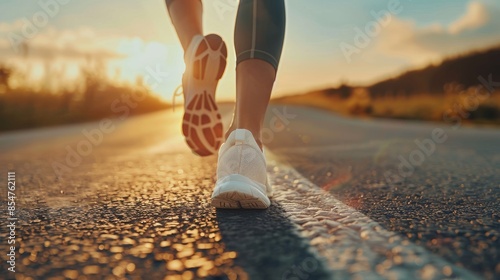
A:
353, 245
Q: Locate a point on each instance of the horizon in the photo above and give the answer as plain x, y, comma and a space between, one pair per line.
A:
400, 73
337, 42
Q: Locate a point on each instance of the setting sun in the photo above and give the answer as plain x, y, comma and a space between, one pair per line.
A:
142, 59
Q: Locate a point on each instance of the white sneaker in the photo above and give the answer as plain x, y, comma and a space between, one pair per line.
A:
205, 63
241, 174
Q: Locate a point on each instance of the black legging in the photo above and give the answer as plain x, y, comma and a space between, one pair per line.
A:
259, 30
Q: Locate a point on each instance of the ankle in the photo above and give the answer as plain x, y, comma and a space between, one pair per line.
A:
228, 132
255, 133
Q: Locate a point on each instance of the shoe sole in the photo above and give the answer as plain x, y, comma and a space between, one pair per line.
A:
238, 193
202, 124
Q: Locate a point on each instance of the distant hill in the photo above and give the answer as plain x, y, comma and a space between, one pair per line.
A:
423, 94
463, 69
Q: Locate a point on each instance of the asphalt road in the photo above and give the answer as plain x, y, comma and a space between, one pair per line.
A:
134, 203
443, 195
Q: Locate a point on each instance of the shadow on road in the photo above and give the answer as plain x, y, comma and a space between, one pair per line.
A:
268, 245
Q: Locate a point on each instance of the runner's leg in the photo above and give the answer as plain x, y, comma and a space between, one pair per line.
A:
259, 36
187, 17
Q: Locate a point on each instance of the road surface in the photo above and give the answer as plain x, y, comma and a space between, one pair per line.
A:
127, 199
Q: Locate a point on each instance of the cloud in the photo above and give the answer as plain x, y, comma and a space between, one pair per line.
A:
476, 16
48, 43
419, 46
401, 39
67, 51
15, 26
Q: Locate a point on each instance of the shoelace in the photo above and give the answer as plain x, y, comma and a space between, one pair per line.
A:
177, 92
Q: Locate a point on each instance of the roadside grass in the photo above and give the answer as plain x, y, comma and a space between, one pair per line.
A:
93, 96
425, 107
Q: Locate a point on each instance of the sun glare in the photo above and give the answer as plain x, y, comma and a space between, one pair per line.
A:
160, 64
72, 72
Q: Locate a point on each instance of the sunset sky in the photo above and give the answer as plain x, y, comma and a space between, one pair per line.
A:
135, 37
